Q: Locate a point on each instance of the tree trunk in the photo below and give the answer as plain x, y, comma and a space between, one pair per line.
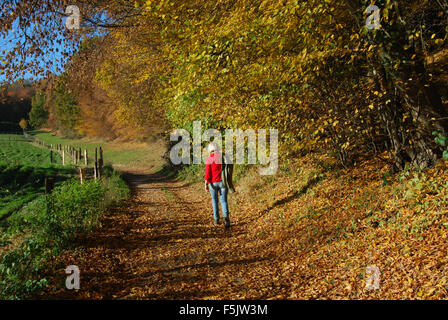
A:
410, 141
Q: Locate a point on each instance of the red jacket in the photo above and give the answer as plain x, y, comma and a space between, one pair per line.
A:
213, 168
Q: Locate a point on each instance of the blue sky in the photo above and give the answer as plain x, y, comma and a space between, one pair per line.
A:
49, 56
55, 26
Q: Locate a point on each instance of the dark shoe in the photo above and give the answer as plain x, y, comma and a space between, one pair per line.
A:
216, 222
227, 223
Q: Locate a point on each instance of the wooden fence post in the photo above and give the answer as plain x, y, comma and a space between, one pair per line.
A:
81, 174
86, 161
49, 185
101, 163
95, 168
63, 157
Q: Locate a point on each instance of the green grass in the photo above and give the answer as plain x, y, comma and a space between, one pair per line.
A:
50, 138
143, 155
23, 169
49, 225
34, 227
20, 184
15, 149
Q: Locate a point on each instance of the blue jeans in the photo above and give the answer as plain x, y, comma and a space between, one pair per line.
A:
215, 188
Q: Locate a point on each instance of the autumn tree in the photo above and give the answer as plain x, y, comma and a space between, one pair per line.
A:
66, 108
23, 124
412, 107
310, 68
38, 115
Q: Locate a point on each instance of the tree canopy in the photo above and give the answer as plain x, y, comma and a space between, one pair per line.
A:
312, 69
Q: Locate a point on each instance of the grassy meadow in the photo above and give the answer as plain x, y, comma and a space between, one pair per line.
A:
35, 227
139, 154
23, 169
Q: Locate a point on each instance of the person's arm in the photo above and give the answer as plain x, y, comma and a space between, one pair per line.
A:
229, 177
208, 175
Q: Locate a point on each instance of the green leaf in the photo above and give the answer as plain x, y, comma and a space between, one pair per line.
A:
445, 155
440, 140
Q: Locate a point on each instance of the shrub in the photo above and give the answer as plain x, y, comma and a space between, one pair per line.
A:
52, 221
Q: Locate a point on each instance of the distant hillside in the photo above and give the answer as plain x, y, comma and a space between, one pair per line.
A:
15, 102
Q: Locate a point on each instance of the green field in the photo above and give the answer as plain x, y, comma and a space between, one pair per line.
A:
24, 165
145, 155
16, 149
34, 227
23, 169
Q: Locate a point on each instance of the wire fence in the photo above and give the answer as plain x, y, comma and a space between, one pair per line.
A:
76, 156
70, 154
15, 136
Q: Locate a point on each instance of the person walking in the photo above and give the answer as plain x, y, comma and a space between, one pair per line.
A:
215, 185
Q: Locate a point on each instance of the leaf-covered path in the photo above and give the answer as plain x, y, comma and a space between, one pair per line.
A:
292, 238
162, 245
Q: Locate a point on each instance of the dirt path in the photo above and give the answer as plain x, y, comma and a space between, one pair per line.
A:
162, 245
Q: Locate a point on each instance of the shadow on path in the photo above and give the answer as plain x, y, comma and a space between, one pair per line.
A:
161, 245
